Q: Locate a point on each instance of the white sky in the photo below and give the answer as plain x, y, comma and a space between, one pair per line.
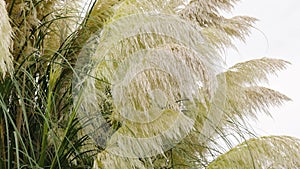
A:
277, 36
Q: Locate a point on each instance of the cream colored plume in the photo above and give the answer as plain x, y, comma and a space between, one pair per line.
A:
5, 41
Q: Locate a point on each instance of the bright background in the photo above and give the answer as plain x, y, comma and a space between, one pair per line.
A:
277, 35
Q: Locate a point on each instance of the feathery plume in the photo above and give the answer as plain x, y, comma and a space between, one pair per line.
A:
6, 64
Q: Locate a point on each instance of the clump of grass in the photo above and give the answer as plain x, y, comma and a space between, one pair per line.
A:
38, 124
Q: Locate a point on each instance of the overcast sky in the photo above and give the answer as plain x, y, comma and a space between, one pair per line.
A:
277, 36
